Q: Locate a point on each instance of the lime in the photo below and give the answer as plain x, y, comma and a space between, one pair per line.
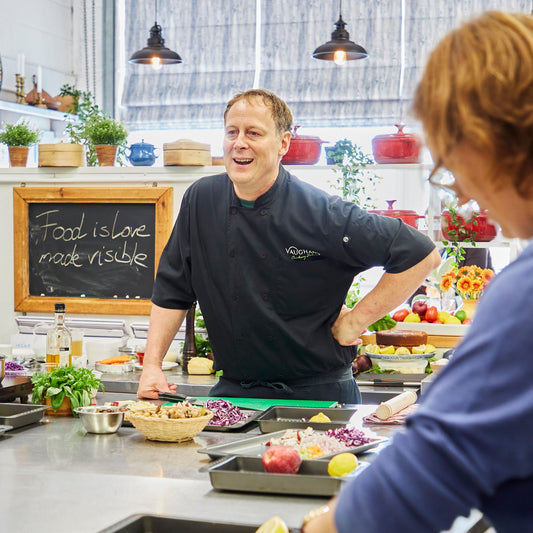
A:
461, 315
320, 417
402, 350
273, 525
419, 349
342, 464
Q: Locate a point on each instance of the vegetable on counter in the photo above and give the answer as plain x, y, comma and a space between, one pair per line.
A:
65, 381
117, 360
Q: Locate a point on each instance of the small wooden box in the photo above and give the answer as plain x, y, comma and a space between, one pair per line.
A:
187, 153
61, 155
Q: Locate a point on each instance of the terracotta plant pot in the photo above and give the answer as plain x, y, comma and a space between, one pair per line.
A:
18, 155
107, 154
64, 410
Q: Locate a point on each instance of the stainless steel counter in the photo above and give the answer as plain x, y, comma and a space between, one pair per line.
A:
199, 385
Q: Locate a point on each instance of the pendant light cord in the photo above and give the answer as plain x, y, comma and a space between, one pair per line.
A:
94, 46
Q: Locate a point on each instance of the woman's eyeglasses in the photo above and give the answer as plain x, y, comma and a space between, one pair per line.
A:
443, 179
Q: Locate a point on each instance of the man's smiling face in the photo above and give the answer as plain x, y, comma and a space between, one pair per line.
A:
252, 148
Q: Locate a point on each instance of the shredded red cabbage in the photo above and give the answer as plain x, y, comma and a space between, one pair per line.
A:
13, 367
224, 413
350, 437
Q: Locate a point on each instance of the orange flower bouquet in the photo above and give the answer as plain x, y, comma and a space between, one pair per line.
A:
468, 282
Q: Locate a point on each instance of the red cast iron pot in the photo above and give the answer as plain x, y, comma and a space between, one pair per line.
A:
483, 231
407, 215
396, 147
303, 150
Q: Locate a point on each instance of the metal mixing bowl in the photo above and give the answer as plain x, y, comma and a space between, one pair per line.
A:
100, 422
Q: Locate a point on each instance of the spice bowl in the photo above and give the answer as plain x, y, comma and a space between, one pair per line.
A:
100, 419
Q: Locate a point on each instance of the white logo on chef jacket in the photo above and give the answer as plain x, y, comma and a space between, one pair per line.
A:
300, 254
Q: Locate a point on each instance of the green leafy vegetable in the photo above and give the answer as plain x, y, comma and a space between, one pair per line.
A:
65, 381
386, 322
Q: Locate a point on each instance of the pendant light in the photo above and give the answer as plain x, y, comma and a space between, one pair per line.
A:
155, 53
340, 48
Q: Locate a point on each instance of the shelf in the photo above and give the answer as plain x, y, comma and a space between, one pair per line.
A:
30, 110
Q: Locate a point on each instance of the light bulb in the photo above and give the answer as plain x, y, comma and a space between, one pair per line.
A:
339, 57
156, 63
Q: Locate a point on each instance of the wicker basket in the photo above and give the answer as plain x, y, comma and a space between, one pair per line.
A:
169, 429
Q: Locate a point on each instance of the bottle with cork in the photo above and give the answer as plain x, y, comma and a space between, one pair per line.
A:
58, 339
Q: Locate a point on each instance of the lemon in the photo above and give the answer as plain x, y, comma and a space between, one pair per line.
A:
443, 315
402, 350
452, 320
419, 349
342, 464
320, 417
372, 348
430, 348
412, 317
273, 525
389, 350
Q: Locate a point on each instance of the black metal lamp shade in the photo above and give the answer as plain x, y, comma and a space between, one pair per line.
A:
154, 50
340, 48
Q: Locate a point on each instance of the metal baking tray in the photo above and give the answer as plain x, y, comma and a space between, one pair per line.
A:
278, 417
256, 447
162, 524
246, 474
3, 429
21, 414
238, 425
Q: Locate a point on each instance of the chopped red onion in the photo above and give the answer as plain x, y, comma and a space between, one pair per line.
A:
224, 413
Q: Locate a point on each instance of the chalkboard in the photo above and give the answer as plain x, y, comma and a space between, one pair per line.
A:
96, 249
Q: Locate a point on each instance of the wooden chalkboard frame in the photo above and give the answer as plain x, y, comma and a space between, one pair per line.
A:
162, 197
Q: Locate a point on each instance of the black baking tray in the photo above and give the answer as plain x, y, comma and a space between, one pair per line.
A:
279, 417
257, 446
20, 414
163, 524
246, 474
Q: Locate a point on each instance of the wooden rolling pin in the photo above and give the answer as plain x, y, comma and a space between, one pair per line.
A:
392, 406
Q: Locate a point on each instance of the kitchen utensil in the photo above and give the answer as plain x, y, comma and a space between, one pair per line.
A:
407, 215
264, 403
477, 228
256, 446
246, 474
303, 150
396, 147
142, 154
186, 152
17, 414
100, 419
277, 418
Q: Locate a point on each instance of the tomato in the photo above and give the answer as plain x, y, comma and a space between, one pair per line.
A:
467, 321
400, 315
438, 322
431, 314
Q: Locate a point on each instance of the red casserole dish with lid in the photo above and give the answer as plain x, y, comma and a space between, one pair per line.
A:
303, 150
396, 147
407, 215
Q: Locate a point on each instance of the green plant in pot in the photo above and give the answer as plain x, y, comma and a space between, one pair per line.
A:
106, 135
353, 179
64, 385
18, 138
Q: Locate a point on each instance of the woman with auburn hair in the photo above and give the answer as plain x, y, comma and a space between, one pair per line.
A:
468, 445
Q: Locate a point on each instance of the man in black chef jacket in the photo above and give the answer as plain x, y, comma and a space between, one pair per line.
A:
269, 259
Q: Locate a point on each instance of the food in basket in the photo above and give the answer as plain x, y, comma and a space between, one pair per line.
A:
177, 423
224, 413
312, 444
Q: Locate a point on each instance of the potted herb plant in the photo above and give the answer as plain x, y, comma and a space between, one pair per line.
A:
18, 138
353, 179
106, 135
64, 388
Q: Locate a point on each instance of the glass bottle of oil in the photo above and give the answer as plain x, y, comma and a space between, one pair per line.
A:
58, 339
